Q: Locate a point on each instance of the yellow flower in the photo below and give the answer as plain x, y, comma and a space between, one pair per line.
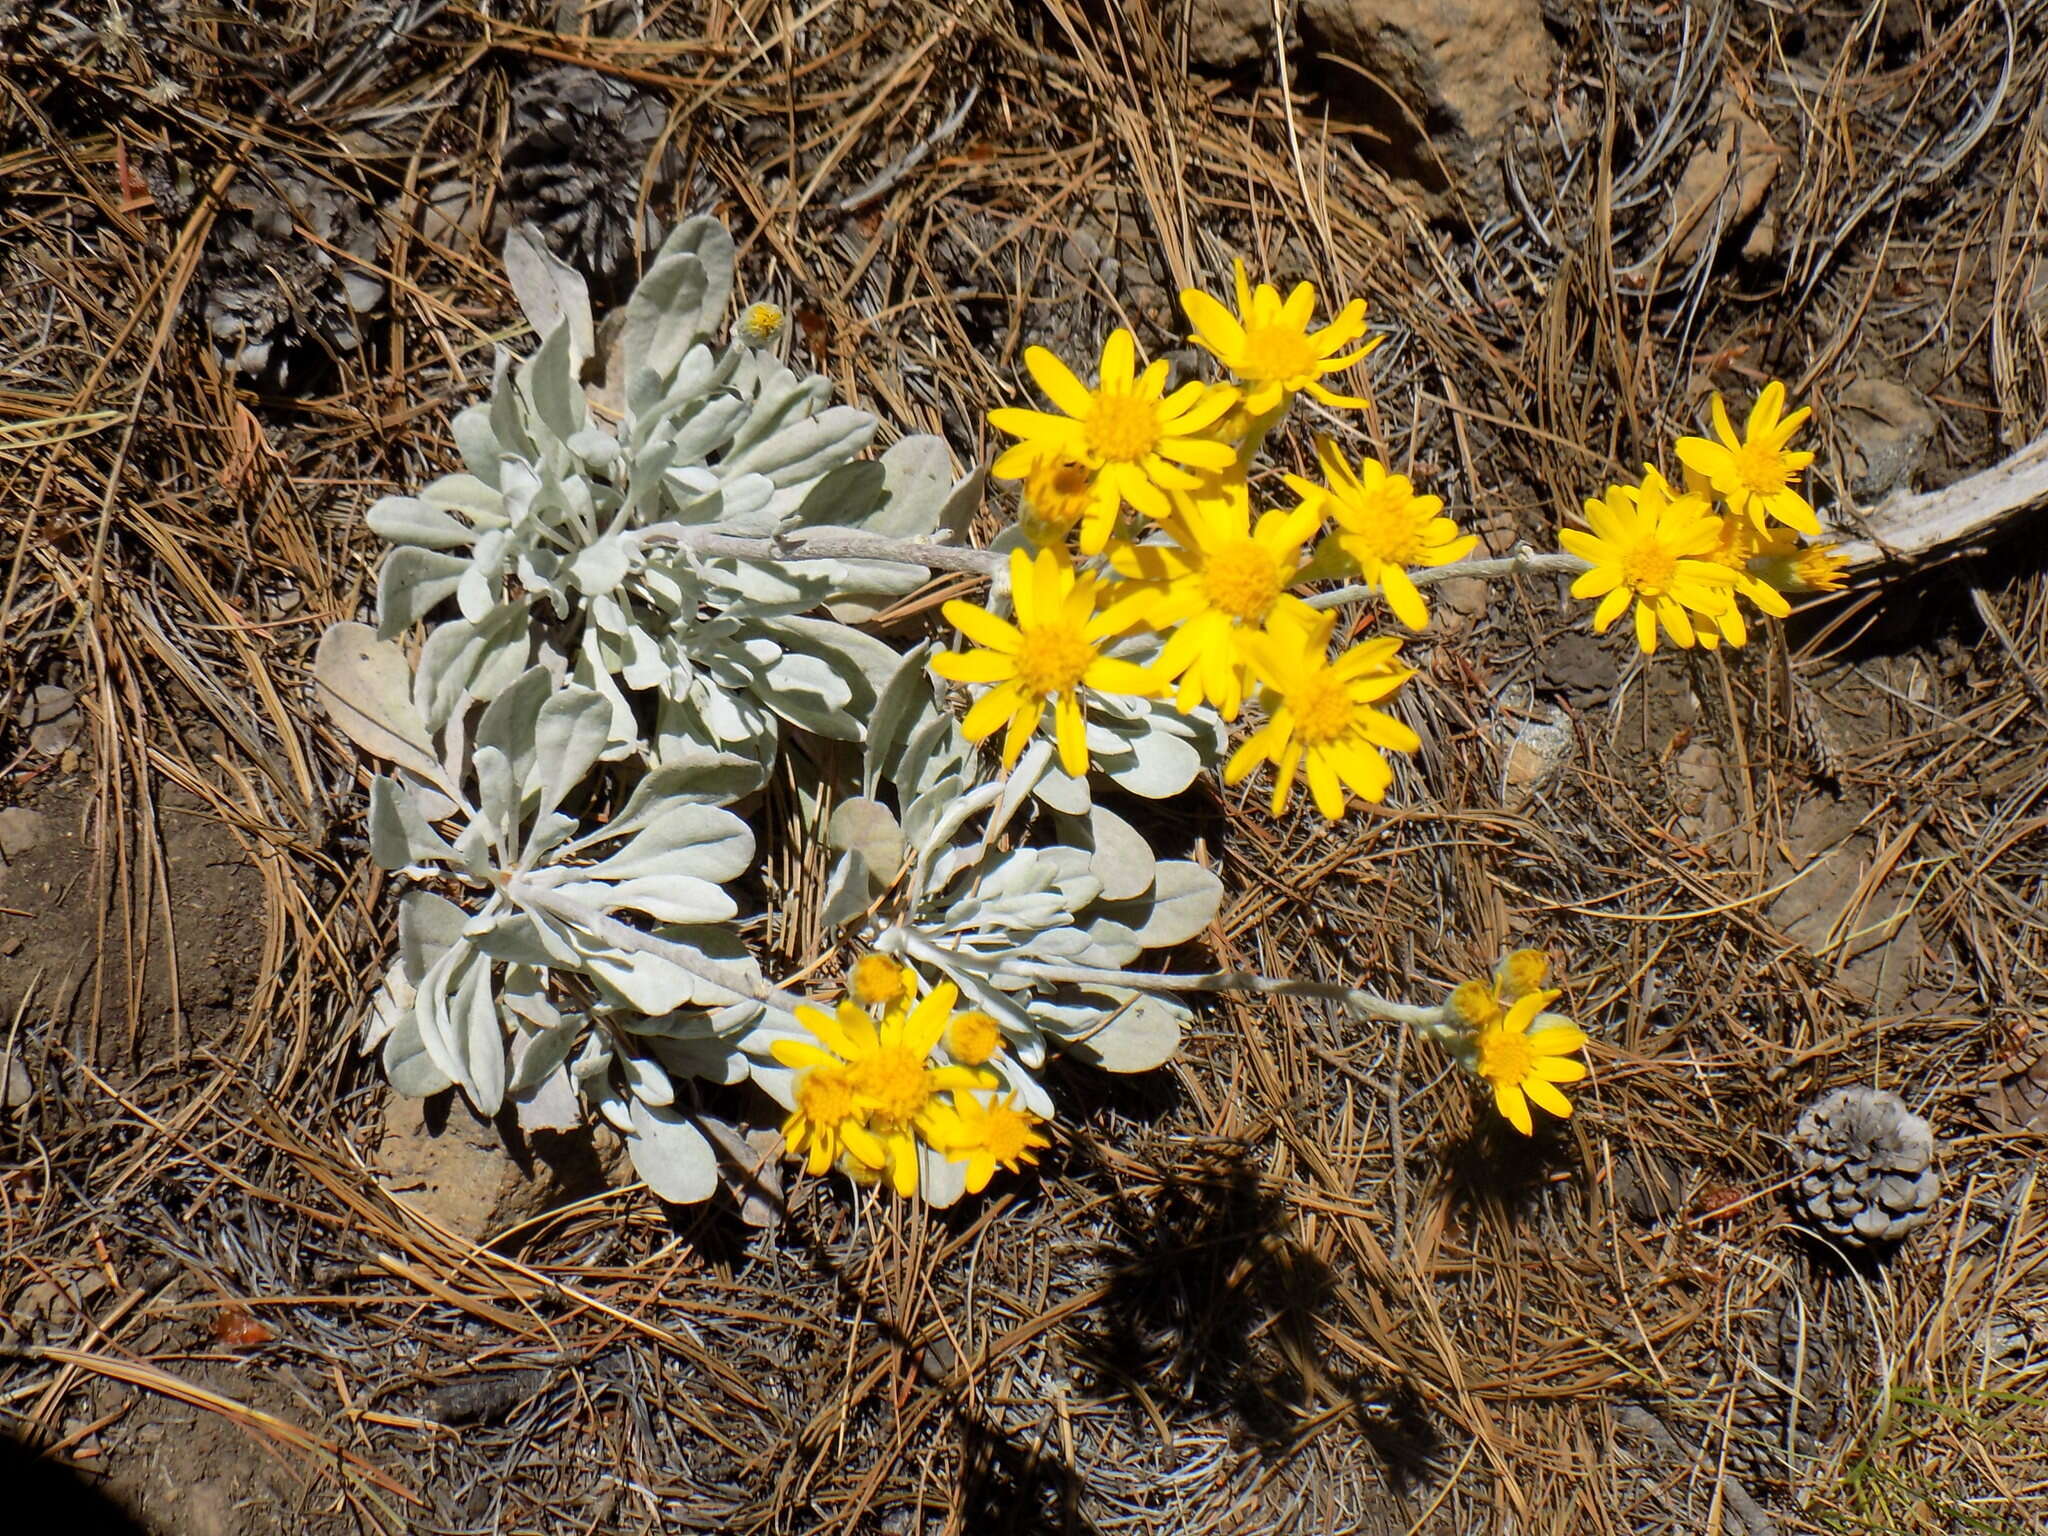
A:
1523, 1067
1216, 584
986, 1135
758, 324
1383, 526
1482, 1005
1753, 473
1733, 548
1652, 549
1138, 439
1268, 345
1048, 656
1319, 712
868, 1088
973, 1037
1061, 493
1790, 566
878, 981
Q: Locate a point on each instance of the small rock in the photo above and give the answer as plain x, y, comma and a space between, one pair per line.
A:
1460, 71
1226, 35
1724, 183
17, 1089
20, 830
54, 720
1537, 743
1888, 426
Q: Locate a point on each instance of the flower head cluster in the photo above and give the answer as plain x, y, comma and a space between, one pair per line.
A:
882, 1076
1501, 1034
1681, 559
1203, 604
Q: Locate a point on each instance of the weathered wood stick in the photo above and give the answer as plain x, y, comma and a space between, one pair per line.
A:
1910, 525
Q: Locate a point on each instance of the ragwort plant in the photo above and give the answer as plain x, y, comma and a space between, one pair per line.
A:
636, 595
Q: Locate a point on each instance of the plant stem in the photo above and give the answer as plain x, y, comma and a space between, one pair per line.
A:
1526, 563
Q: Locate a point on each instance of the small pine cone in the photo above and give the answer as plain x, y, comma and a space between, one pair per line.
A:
1865, 1162
574, 163
274, 295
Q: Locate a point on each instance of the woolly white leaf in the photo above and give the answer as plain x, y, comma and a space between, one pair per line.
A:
408, 520
550, 292
868, 828
1131, 1031
1183, 902
671, 1155
411, 582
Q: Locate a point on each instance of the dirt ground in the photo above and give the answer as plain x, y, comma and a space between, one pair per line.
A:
1301, 1280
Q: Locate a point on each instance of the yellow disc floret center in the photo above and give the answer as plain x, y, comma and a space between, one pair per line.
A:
1052, 658
895, 1085
1385, 530
1121, 428
1243, 580
1649, 568
1505, 1058
973, 1037
877, 981
1005, 1134
1322, 709
1761, 468
824, 1095
1275, 354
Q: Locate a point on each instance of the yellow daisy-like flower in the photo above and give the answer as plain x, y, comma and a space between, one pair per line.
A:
1269, 347
868, 1088
1524, 1067
1320, 712
1048, 656
1216, 583
1787, 565
1651, 549
1383, 526
1754, 473
1738, 541
1482, 1005
1140, 441
989, 1135
973, 1038
1062, 493
880, 981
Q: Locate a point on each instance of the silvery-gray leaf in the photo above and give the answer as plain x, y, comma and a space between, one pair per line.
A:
918, 473
462, 661
807, 691
958, 810
711, 244
481, 501
399, 834
773, 1079
439, 1025
550, 292
941, 1181
407, 1066
848, 890
935, 752
1183, 902
906, 696
615, 1106
477, 443
557, 396
846, 495
869, 828
365, 685
712, 1059
1111, 946
671, 1155
600, 569
428, 927
395, 998
552, 1104
408, 520
656, 984
569, 736
1069, 796
681, 838
646, 1080
1120, 858
499, 803
957, 514
1017, 786
518, 937
1155, 764
1126, 1031
669, 898
507, 723
663, 318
